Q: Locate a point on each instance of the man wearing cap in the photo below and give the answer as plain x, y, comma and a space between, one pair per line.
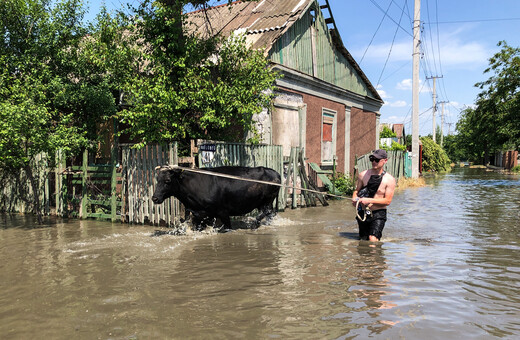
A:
374, 192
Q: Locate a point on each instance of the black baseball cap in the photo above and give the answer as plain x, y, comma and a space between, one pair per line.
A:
380, 154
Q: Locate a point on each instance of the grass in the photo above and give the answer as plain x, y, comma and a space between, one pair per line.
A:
404, 183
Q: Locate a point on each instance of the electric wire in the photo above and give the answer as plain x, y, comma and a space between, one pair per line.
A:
374, 35
391, 47
379, 7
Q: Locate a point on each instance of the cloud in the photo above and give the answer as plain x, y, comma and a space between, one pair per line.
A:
405, 84
398, 103
382, 92
456, 49
393, 120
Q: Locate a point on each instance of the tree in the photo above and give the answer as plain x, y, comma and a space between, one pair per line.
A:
493, 124
387, 133
192, 87
453, 151
434, 157
53, 90
501, 95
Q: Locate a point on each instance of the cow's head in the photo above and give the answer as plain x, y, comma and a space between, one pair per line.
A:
167, 182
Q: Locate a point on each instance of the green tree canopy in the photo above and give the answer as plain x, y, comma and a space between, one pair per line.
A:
188, 86
494, 123
55, 84
434, 157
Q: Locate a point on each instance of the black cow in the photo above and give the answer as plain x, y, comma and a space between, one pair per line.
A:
213, 196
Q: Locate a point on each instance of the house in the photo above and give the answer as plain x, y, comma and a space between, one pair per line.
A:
324, 102
398, 129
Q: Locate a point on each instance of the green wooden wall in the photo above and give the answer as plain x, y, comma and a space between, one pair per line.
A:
294, 50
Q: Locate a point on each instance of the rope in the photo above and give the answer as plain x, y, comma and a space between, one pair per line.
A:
211, 173
357, 212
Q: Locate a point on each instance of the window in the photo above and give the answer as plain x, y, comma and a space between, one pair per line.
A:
328, 136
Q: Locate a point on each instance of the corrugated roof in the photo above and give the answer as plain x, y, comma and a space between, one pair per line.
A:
262, 21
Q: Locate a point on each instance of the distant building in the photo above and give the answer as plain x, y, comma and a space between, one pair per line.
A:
398, 129
324, 102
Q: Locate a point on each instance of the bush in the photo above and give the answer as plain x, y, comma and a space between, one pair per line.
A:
387, 133
434, 157
398, 147
343, 183
515, 168
395, 146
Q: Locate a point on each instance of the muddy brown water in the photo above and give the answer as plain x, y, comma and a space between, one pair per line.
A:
447, 268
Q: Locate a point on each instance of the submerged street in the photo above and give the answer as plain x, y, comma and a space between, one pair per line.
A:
447, 267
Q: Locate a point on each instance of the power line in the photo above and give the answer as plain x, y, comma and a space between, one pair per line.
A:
395, 22
391, 46
377, 30
466, 21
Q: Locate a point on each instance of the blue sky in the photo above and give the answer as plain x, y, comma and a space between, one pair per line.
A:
458, 38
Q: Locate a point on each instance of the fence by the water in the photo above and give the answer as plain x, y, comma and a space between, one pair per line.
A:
122, 190
139, 174
16, 192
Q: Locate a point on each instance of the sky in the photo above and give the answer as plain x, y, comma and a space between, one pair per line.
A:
457, 39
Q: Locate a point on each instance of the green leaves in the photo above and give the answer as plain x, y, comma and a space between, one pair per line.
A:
194, 87
494, 123
433, 156
54, 89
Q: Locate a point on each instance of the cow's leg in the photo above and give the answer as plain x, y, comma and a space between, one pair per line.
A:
199, 220
226, 220
266, 210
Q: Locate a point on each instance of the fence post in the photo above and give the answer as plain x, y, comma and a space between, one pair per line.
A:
84, 193
113, 182
294, 152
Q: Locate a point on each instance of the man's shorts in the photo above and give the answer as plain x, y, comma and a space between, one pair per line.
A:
373, 224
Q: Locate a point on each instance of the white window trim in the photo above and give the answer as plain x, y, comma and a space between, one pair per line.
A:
334, 134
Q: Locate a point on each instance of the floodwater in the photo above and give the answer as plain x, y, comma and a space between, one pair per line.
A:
447, 268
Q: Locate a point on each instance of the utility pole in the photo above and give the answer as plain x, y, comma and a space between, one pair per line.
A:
449, 128
415, 88
434, 96
442, 121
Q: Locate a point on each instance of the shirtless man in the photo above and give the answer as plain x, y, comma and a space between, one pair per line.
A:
372, 228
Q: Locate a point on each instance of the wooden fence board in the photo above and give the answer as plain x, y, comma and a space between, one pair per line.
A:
139, 166
395, 165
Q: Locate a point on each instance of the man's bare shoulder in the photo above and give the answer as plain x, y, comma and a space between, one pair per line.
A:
389, 179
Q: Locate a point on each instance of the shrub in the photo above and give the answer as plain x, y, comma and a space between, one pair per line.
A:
387, 133
434, 157
344, 183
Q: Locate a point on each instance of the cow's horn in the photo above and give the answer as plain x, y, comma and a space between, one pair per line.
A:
166, 167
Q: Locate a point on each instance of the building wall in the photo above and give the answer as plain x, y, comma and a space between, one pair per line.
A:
362, 134
314, 112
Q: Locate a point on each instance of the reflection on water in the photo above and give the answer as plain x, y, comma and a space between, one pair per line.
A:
447, 267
